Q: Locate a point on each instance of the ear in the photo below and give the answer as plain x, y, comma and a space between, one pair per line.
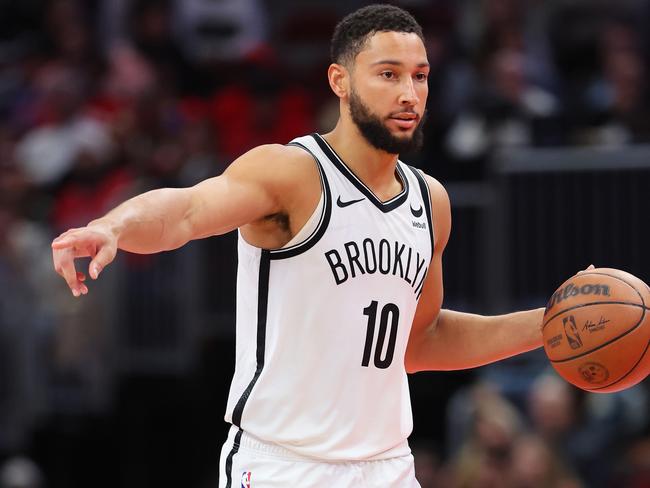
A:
339, 79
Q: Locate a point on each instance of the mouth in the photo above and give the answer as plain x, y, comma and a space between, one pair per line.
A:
405, 120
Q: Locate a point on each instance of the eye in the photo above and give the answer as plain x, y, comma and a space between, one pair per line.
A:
421, 77
389, 75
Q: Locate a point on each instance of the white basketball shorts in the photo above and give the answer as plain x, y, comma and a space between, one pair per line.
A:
251, 463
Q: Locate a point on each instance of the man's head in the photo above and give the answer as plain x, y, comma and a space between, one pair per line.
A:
352, 33
379, 72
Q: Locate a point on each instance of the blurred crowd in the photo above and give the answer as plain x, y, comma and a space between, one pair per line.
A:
553, 436
103, 99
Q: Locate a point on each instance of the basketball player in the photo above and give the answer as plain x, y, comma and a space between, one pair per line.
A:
339, 286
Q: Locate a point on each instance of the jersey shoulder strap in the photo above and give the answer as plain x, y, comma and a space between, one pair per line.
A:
426, 200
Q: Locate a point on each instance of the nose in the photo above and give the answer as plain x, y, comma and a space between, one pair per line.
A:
408, 95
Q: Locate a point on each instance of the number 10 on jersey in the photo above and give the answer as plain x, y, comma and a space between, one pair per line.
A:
389, 315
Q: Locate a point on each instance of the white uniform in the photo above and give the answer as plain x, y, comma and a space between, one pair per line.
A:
323, 324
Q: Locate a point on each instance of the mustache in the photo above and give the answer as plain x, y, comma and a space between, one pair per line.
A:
418, 117
407, 112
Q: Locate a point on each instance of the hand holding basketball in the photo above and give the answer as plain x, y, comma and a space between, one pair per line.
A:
596, 330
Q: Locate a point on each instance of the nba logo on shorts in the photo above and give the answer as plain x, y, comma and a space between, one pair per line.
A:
246, 479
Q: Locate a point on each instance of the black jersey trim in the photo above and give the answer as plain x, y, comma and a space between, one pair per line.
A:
262, 305
336, 160
231, 454
426, 197
318, 232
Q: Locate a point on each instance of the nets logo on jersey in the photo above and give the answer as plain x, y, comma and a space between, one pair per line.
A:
246, 479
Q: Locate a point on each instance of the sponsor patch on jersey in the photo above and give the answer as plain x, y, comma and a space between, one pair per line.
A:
419, 225
246, 479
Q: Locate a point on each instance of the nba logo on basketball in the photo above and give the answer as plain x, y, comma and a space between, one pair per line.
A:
571, 331
246, 479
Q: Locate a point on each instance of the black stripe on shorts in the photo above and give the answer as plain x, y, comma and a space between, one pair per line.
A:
231, 454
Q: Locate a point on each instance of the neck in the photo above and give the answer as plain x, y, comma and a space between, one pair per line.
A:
376, 168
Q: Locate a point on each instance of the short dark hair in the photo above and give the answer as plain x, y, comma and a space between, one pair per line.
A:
352, 33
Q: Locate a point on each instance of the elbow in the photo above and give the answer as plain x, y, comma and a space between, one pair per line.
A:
419, 354
412, 368
411, 362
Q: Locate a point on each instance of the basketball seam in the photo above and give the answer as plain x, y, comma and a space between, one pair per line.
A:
613, 339
642, 304
617, 278
611, 302
626, 374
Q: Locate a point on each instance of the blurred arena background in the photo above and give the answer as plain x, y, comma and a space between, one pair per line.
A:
539, 125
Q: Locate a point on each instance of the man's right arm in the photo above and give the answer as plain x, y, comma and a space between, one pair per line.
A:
159, 220
167, 218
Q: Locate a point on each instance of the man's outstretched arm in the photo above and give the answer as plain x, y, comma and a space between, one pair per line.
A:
159, 220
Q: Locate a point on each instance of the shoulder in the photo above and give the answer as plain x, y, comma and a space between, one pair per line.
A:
287, 175
281, 152
438, 192
274, 166
270, 158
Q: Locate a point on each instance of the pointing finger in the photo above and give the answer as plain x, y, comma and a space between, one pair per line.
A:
64, 265
102, 259
64, 241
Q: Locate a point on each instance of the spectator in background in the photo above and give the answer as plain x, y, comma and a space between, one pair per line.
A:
198, 145
489, 425
259, 107
189, 43
149, 137
61, 143
507, 111
66, 135
574, 31
26, 308
227, 30
623, 87
151, 30
429, 468
68, 37
54, 357
536, 465
129, 75
21, 472
552, 408
580, 427
634, 468
500, 95
498, 450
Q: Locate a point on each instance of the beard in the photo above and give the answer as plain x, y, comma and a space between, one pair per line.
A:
374, 130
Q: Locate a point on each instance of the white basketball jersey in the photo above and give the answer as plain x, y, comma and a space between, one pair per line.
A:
322, 326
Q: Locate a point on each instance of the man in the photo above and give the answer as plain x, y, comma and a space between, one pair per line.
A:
340, 275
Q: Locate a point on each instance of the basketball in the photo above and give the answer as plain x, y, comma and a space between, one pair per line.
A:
596, 330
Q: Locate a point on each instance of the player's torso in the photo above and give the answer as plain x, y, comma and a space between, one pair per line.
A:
322, 327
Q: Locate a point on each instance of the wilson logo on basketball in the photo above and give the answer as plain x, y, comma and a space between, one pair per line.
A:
570, 290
